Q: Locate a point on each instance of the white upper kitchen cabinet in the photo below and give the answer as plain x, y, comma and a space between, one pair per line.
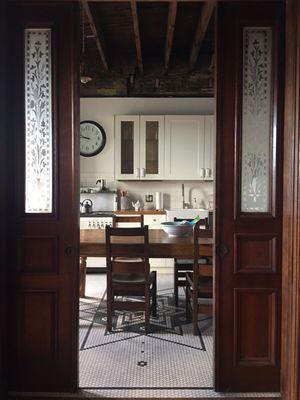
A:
139, 149
209, 153
184, 147
189, 147
152, 147
127, 147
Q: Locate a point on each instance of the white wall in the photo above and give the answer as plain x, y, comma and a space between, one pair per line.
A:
103, 110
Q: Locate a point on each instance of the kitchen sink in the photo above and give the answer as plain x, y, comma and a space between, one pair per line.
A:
187, 213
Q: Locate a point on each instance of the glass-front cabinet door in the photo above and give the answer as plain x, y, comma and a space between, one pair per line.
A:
127, 157
139, 147
151, 147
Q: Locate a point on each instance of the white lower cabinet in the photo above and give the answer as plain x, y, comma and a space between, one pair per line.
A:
95, 223
154, 221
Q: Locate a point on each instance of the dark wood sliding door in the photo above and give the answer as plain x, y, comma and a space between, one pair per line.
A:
291, 216
250, 39
44, 235
3, 206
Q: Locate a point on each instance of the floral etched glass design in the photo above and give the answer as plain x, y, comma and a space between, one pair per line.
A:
38, 121
256, 119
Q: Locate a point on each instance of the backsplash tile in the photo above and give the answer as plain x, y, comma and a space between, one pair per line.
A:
201, 191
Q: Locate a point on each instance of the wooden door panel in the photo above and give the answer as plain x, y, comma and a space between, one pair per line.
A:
256, 254
44, 237
39, 254
249, 195
255, 317
39, 338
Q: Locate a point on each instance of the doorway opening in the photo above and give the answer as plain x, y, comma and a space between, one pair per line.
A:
249, 222
152, 98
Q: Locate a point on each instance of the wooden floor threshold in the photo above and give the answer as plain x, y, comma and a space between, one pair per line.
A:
80, 396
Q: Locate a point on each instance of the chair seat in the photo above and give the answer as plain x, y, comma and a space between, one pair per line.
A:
132, 278
128, 278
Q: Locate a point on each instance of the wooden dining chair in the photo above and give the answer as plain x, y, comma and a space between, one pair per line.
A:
182, 266
199, 282
131, 221
128, 273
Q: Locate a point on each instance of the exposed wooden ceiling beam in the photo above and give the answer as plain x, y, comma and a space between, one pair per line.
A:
137, 36
139, 1
203, 21
170, 32
96, 33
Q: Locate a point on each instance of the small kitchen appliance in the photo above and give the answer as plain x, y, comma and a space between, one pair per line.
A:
86, 206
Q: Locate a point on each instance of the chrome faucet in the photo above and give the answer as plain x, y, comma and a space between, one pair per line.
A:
184, 204
102, 184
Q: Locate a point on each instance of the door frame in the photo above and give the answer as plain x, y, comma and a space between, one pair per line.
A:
290, 366
291, 217
3, 202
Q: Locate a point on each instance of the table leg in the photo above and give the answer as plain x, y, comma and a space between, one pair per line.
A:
82, 276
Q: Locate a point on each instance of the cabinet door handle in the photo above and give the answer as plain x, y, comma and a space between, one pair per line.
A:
137, 172
207, 173
143, 174
202, 172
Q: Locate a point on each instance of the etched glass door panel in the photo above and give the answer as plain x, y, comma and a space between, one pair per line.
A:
38, 120
127, 147
256, 120
152, 147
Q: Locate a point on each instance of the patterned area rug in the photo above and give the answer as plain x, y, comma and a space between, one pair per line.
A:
169, 357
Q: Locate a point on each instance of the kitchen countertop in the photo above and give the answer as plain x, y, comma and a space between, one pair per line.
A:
105, 214
143, 212
109, 214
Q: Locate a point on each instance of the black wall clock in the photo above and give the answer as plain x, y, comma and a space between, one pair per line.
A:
92, 138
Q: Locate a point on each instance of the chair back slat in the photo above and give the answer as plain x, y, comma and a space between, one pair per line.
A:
205, 270
127, 232
133, 220
206, 250
206, 233
127, 250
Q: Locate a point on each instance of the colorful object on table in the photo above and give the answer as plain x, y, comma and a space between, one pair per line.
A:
195, 220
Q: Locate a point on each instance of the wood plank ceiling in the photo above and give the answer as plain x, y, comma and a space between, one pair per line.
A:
157, 49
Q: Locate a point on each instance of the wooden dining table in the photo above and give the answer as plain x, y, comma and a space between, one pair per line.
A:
92, 244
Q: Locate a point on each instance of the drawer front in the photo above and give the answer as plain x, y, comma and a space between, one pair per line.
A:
154, 221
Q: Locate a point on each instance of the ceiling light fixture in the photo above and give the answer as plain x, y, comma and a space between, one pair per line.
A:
84, 76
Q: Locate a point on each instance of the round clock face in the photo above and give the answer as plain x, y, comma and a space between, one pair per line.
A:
92, 138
